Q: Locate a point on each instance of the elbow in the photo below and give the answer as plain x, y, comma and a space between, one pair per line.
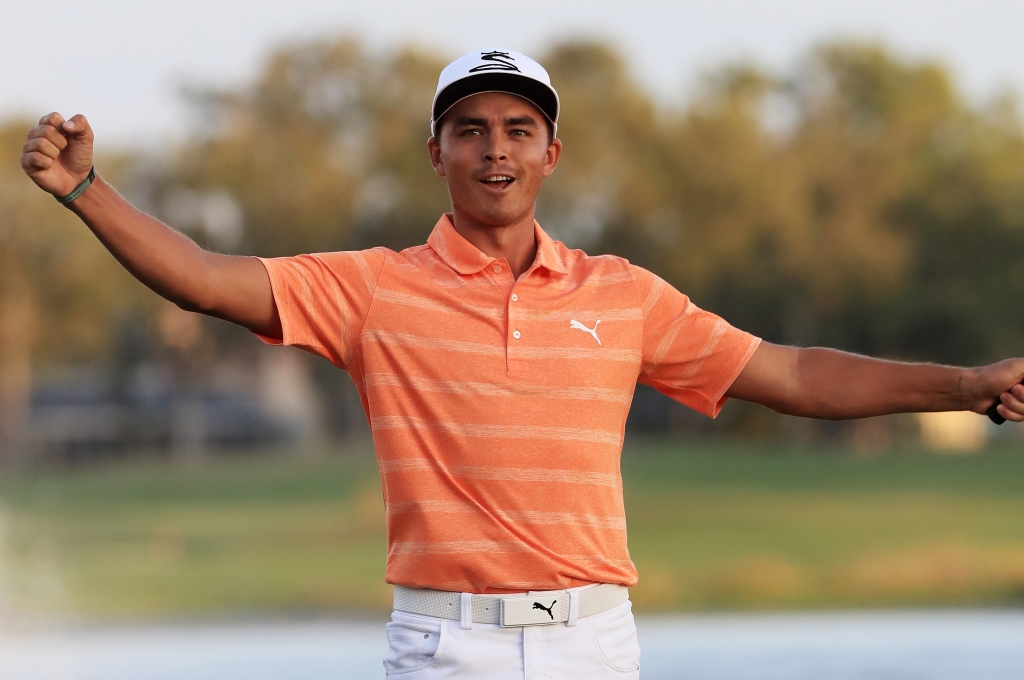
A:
198, 304
795, 382
805, 408
807, 394
198, 293
810, 408
192, 306
197, 299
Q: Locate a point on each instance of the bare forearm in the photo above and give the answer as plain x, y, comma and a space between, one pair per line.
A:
836, 385
175, 267
163, 259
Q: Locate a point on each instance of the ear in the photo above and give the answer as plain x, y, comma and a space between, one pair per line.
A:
434, 148
554, 152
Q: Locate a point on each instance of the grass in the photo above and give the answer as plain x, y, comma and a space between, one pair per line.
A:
710, 527
727, 529
265, 533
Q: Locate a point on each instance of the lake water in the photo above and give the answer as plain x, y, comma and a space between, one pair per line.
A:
975, 645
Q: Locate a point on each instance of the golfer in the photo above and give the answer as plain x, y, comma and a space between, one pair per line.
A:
496, 368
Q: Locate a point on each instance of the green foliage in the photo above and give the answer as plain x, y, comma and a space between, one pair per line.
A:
326, 151
884, 216
858, 201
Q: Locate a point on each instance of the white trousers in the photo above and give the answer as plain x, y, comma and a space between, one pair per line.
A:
599, 646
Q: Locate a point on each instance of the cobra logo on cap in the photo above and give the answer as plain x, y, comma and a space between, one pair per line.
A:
497, 61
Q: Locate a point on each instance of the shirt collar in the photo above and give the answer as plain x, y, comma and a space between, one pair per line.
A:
465, 258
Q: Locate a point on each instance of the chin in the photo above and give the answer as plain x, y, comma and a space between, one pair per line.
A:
503, 220
499, 215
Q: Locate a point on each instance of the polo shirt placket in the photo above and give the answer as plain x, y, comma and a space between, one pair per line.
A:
501, 274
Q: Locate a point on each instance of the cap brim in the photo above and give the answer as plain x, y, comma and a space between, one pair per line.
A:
536, 92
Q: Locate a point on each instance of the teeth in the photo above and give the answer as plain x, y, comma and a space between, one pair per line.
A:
499, 178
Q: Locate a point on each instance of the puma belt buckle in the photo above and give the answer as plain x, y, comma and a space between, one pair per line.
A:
537, 610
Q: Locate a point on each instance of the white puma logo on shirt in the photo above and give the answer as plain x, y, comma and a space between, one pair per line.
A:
593, 331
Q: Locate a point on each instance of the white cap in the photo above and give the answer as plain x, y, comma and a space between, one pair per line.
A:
494, 71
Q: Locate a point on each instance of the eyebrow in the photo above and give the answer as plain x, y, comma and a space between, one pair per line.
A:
464, 121
518, 121
521, 121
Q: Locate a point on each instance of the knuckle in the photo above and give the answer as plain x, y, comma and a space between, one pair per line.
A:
53, 136
81, 121
47, 148
36, 161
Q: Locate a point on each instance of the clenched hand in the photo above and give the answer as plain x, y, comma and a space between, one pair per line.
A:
58, 153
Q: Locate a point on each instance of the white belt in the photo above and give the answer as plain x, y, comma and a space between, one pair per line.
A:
537, 608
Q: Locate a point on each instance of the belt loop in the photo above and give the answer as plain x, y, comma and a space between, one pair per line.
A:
574, 607
466, 619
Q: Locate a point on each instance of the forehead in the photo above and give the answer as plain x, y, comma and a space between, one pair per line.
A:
494, 106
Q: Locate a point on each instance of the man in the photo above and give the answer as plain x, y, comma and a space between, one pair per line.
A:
496, 368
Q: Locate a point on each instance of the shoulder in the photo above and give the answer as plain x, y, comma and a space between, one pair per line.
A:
372, 257
414, 254
366, 263
644, 287
330, 269
580, 263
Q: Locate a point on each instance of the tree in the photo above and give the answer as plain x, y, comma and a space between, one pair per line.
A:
60, 291
858, 201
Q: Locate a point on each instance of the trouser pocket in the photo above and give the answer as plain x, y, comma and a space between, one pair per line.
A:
614, 635
414, 642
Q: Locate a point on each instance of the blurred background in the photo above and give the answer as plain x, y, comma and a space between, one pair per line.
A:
816, 174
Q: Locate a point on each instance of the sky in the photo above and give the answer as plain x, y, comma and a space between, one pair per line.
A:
123, 62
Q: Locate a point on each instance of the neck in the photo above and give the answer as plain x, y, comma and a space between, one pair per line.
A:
516, 242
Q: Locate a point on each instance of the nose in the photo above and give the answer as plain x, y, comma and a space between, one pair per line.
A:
495, 153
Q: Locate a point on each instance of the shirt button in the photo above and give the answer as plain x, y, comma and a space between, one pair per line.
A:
516, 334
497, 269
515, 298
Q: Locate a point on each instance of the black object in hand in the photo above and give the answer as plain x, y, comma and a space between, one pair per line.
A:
993, 414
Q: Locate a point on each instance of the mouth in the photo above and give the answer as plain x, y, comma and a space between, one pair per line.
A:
499, 182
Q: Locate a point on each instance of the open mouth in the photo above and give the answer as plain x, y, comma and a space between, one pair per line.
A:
498, 181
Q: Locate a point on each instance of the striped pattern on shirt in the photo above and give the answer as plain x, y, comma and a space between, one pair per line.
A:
497, 405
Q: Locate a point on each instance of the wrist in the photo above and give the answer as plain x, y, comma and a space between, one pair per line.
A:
69, 198
967, 389
92, 200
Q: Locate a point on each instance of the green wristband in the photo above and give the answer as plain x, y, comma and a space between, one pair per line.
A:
80, 189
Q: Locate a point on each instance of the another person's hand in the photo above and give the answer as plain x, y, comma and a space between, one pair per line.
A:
58, 153
1000, 382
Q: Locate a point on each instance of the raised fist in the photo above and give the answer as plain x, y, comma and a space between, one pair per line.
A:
58, 153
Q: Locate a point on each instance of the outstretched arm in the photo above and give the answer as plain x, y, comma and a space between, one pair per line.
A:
58, 157
827, 383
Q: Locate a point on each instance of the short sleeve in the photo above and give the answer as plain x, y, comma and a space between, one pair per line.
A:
323, 299
691, 355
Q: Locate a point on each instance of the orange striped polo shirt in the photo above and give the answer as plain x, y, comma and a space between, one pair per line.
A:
498, 405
